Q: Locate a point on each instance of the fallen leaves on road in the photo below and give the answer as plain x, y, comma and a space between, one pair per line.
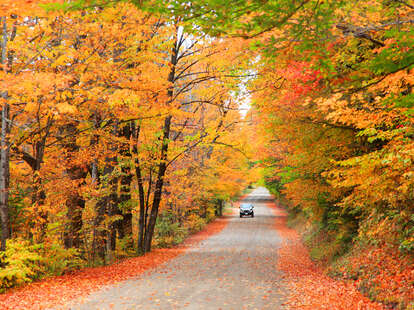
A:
309, 288
59, 290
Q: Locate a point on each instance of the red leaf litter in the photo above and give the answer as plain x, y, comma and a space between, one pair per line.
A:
57, 291
308, 287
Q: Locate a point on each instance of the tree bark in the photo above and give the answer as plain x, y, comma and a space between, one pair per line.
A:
219, 207
106, 234
72, 236
124, 225
112, 208
104, 241
75, 203
39, 195
141, 193
158, 185
5, 149
4, 175
98, 243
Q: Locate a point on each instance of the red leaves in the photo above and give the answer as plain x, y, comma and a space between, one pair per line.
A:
59, 290
382, 270
309, 288
302, 81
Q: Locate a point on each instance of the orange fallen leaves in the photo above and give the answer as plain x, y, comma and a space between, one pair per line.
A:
384, 271
308, 287
59, 290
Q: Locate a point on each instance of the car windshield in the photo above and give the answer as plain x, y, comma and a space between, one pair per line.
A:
245, 206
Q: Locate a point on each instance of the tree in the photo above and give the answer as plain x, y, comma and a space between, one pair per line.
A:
193, 65
5, 144
107, 101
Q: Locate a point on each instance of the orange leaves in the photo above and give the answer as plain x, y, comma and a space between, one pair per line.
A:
82, 85
57, 291
309, 288
22, 7
382, 273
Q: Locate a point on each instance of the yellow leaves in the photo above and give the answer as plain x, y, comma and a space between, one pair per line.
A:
393, 82
409, 77
378, 176
80, 78
66, 108
60, 61
65, 95
328, 104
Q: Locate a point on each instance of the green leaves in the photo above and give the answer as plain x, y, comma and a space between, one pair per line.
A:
398, 53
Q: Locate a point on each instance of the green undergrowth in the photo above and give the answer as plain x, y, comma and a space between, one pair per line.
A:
325, 246
173, 228
24, 262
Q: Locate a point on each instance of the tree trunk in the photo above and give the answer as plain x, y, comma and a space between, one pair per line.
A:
72, 236
104, 241
4, 175
106, 232
39, 195
99, 216
124, 225
38, 200
141, 193
75, 203
98, 243
112, 208
97, 248
219, 207
5, 150
158, 185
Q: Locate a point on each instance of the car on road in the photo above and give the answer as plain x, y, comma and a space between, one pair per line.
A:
246, 209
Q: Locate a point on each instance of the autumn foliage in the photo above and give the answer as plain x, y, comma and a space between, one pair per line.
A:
121, 129
120, 132
334, 118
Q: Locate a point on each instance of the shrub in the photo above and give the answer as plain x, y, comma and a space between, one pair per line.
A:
58, 260
195, 223
168, 232
25, 262
22, 263
125, 247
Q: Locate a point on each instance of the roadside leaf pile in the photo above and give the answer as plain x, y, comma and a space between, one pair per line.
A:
308, 286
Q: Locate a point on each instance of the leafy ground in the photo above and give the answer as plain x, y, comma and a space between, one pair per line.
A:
308, 286
58, 290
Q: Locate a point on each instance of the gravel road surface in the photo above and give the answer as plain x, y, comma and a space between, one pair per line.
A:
234, 269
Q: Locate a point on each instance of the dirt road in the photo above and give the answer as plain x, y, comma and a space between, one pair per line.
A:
235, 269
